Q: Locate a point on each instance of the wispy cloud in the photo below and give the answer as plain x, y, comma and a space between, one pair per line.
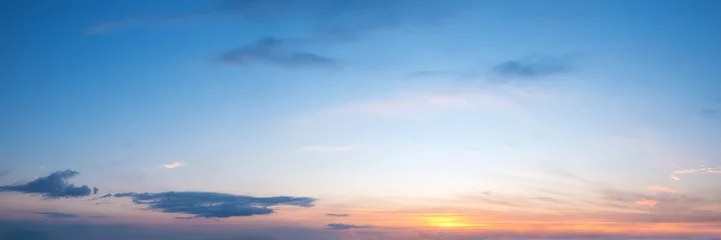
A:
342, 226
276, 52
174, 165
53, 186
647, 202
211, 204
343, 148
58, 215
3, 173
662, 189
532, 67
675, 175
337, 214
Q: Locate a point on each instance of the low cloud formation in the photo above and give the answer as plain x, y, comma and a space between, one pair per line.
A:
337, 215
341, 226
675, 175
53, 186
174, 165
58, 215
275, 52
662, 189
533, 67
212, 205
343, 148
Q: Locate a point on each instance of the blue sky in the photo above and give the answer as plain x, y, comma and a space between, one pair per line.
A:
363, 105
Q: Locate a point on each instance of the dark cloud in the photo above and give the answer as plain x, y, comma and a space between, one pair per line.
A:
276, 52
58, 215
532, 67
341, 226
212, 205
53, 186
337, 214
95, 190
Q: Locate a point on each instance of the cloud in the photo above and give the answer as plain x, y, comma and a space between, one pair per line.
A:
3, 173
343, 148
337, 214
710, 113
661, 189
647, 202
341, 226
211, 204
276, 52
675, 175
174, 165
532, 67
58, 215
54, 185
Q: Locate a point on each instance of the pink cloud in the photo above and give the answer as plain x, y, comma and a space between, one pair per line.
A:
174, 165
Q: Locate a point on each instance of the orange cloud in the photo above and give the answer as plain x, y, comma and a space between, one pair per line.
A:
647, 202
662, 189
174, 165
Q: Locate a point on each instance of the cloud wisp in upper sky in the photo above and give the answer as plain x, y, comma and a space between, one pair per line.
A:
211, 204
532, 67
276, 52
54, 185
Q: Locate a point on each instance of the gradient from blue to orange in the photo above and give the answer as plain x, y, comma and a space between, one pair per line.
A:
503, 116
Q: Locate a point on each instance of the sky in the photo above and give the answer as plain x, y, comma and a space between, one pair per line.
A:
360, 120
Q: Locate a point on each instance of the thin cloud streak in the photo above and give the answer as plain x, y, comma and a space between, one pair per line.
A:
174, 165
675, 175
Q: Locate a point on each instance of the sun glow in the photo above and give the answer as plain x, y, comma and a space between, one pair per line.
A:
447, 222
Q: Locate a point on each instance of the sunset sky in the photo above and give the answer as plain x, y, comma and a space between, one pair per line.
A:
360, 120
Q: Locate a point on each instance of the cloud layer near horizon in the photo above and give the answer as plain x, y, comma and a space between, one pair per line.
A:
211, 204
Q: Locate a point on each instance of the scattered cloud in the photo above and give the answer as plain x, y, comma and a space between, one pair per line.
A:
341, 226
174, 165
211, 204
276, 51
647, 202
337, 214
662, 189
675, 175
58, 215
53, 186
343, 148
3, 173
532, 67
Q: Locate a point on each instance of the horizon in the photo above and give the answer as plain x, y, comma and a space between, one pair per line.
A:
360, 120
